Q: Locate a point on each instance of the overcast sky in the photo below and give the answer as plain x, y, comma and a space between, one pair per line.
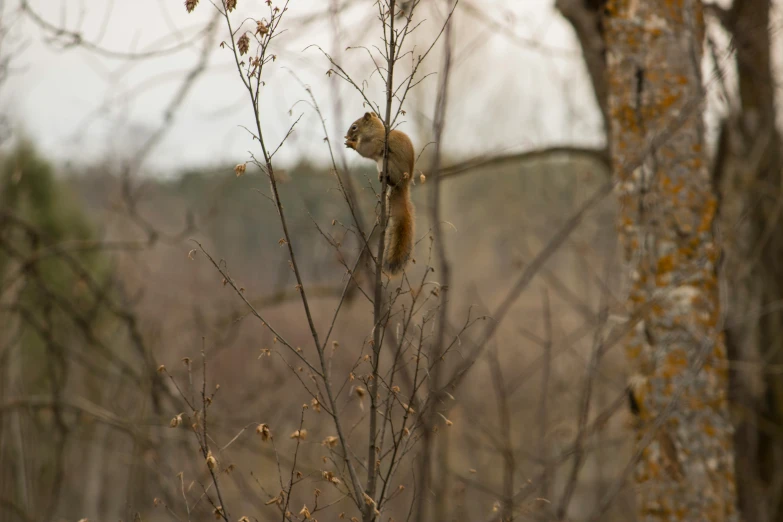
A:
519, 81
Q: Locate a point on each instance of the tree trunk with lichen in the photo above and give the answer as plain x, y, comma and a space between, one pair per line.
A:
677, 351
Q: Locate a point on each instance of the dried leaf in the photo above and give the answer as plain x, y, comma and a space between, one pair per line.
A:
299, 434
263, 430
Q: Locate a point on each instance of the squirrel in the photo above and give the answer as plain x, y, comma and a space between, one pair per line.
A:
367, 136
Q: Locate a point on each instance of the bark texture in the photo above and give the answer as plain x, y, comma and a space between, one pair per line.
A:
668, 208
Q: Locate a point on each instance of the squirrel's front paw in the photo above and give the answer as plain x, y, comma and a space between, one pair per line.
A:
350, 144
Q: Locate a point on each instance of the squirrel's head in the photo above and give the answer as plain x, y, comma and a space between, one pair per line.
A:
362, 125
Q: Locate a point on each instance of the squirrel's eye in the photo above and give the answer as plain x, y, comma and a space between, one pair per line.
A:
353, 127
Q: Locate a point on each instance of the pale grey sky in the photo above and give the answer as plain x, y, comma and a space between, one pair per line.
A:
508, 93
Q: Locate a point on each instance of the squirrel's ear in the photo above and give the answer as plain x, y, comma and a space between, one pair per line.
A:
367, 116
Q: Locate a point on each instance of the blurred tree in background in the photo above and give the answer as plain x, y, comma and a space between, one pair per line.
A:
45, 309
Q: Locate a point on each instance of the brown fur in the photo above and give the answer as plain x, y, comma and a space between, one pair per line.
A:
399, 235
366, 136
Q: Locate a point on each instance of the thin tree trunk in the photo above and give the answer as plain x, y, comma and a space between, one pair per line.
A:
586, 17
748, 173
654, 50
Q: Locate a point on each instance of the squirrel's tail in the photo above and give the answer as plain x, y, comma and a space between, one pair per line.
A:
399, 234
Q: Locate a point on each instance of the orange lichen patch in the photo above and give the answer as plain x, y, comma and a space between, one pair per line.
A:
626, 200
686, 252
663, 271
617, 8
646, 452
665, 264
668, 101
695, 403
618, 163
720, 346
708, 215
633, 351
718, 403
668, 152
637, 299
709, 429
617, 82
676, 188
649, 113
699, 301
626, 117
675, 364
674, 10
663, 280
671, 187
709, 282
